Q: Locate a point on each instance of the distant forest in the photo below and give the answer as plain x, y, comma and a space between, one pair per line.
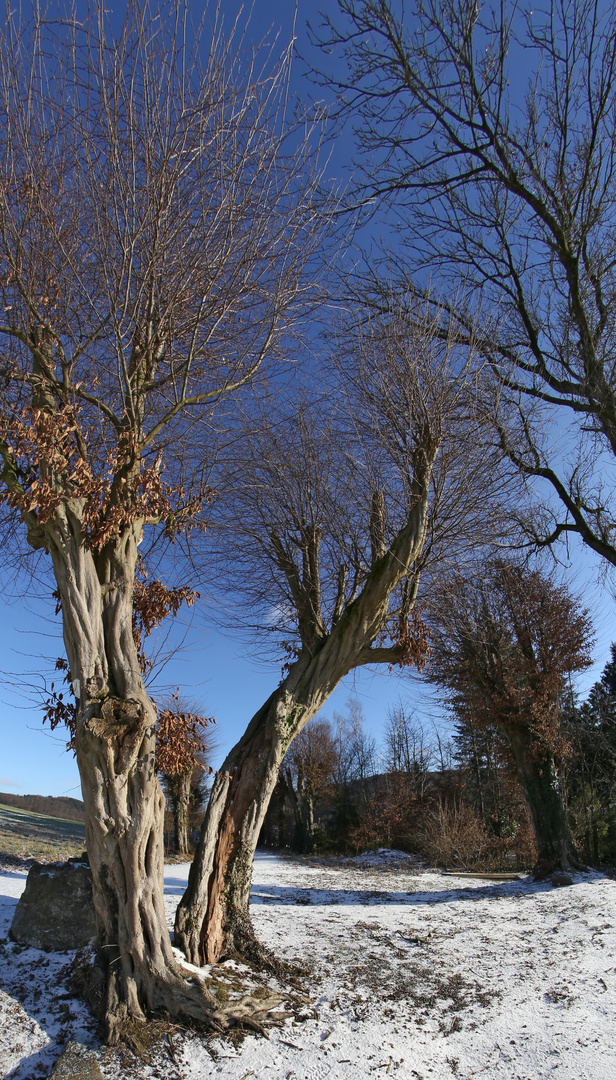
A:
55, 806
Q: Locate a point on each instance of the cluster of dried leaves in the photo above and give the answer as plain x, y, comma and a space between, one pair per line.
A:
180, 739
46, 463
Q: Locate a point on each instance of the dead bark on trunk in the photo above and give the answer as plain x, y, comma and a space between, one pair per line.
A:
212, 919
538, 778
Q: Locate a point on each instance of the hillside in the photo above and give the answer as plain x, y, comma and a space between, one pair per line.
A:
24, 834
52, 806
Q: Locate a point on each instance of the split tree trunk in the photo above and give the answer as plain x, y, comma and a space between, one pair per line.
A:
212, 919
538, 778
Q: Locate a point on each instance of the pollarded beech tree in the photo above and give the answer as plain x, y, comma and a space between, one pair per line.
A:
183, 747
338, 507
504, 642
157, 220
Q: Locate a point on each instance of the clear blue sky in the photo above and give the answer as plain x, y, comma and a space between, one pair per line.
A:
213, 669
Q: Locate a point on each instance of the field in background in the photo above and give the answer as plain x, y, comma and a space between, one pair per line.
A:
27, 835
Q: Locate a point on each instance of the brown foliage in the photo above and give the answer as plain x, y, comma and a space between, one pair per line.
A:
180, 739
442, 826
503, 646
152, 602
454, 835
45, 462
411, 638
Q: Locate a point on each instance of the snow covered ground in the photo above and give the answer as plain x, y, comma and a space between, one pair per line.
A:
416, 974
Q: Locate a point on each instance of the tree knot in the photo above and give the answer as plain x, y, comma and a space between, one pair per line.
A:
114, 718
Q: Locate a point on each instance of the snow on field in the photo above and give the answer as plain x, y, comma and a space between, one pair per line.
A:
415, 974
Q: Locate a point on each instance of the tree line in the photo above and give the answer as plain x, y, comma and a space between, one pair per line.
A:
169, 238
527, 777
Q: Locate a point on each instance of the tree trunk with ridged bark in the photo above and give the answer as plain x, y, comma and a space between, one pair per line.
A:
181, 805
212, 919
124, 804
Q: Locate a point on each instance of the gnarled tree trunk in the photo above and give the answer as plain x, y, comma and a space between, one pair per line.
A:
538, 778
212, 919
124, 804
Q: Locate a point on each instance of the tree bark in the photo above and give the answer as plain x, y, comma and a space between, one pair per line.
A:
124, 804
181, 807
538, 778
213, 919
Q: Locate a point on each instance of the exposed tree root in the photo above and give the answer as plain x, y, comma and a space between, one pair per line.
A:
173, 998
244, 946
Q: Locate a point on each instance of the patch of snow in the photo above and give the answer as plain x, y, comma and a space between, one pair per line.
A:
415, 975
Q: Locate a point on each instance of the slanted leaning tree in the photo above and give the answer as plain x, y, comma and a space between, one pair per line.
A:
156, 223
337, 509
504, 643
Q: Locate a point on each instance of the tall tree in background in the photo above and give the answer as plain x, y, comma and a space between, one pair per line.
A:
490, 131
336, 509
306, 771
155, 229
183, 749
504, 643
591, 771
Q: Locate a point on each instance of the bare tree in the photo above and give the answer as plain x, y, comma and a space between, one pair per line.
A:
307, 770
156, 223
357, 749
407, 751
335, 516
490, 130
503, 646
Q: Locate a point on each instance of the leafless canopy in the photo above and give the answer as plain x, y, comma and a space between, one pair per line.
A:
322, 481
490, 130
157, 218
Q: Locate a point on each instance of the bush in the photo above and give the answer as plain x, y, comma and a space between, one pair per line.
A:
455, 836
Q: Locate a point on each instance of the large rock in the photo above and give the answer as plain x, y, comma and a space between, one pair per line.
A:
76, 1062
55, 910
